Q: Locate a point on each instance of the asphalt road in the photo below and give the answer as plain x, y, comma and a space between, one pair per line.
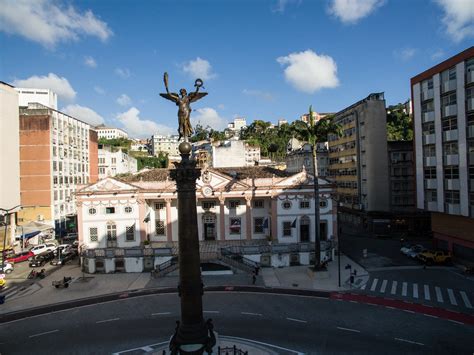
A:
309, 325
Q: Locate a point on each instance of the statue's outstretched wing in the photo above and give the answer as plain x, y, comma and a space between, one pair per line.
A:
172, 96
194, 96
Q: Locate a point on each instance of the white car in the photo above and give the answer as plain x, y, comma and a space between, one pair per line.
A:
41, 248
8, 268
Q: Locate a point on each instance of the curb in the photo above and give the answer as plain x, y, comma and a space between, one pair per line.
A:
11, 316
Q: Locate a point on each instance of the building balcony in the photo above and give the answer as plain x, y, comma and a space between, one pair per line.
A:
429, 139
451, 135
427, 95
470, 104
428, 116
452, 159
452, 208
431, 206
430, 161
470, 132
431, 183
449, 85
451, 110
451, 184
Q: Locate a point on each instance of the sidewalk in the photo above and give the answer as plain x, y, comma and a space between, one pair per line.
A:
91, 285
301, 277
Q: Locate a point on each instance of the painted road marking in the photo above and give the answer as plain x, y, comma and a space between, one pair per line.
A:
374, 285
452, 299
427, 292
160, 313
465, 299
297, 320
384, 286
394, 287
44, 333
455, 321
261, 343
439, 295
107, 320
349, 329
409, 341
404, 289
363, 286
252, 314
211, 312
415, 290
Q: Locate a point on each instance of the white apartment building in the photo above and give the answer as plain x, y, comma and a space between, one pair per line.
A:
57, 154
166, 144
9, 157
238, 124
44, 97
140, 145
234, 153
443, 106
113, 161
110, 132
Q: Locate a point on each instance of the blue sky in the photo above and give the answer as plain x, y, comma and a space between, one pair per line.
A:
258, 59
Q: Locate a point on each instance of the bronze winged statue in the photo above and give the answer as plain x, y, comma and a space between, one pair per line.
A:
183, 101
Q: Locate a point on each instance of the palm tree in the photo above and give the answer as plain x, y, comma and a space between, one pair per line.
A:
314, 133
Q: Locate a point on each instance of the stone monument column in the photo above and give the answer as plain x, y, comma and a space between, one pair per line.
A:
193, 335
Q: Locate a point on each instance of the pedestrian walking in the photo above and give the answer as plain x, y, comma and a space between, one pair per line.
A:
254, 278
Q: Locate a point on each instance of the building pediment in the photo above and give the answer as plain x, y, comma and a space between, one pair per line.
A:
108, 185
302, 178
218, 181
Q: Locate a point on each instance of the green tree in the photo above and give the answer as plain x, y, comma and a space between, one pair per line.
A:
314, 133
161, 161
399, 123
200, 133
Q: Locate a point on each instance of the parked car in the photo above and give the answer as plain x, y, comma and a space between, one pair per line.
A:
406, 248
70, 237
23, 256
43, 247
7, 268
63, 249
63, 259
415, 250
41, 259
431, 257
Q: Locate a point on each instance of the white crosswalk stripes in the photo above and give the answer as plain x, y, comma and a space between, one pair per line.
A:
465, 299
394, 288
17, 291
439, 295
452, 299
416, 292
404, 289
427, 292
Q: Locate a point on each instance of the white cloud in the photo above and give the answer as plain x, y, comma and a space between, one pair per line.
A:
439, 53
59, 85
99, 90
90, 62
124, 73
207, 116
140, 128
199, 68
458, 18
259, 94
124, 100
351, 11
221, 107
405, 54
49, 22
281, 5
309, 72
84, 114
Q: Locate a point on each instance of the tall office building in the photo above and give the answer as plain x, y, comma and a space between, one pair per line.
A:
57, 153
358, 164
443, 106
45, 97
